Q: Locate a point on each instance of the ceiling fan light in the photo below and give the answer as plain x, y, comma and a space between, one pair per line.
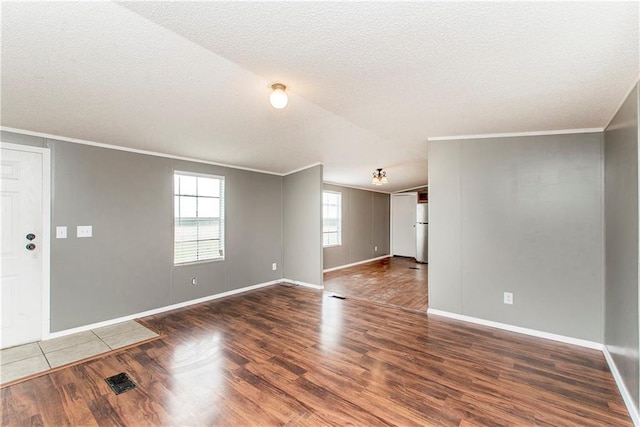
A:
278, 97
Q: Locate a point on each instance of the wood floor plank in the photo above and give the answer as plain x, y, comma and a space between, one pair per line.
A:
291, 356
396, 281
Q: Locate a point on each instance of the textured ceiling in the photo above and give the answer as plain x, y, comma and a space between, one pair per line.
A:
368, 82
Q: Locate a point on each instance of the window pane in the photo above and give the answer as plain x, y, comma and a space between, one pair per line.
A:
186, 229
330, 239
330, 225
332, 212
188, 185
208, 249
208, 187
187, 206
198, 225
208, 208
331, 215
209, 229
185, 251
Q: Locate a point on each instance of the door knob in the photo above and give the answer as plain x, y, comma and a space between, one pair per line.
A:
31, 236
31, 246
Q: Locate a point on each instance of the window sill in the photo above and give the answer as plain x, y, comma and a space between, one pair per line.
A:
332, 246
204, 261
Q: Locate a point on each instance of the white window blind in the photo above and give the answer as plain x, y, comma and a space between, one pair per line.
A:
199, 217
331, 218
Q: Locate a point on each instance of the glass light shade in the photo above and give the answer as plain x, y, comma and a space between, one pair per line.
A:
379, 177
278, 97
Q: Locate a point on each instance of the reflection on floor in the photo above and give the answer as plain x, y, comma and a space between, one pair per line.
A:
29, 359
397, 281
287, 355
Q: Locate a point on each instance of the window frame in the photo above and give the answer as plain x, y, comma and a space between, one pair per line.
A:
223, 228
339, 227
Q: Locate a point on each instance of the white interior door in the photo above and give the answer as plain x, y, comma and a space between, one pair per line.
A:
403, 224
22, 266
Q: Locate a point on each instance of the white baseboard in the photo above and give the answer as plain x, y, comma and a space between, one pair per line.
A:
159, 310
305, 284
626, 396
518, 329
340, 267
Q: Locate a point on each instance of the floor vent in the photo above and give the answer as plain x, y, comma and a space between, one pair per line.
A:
338, 296
414, 268
120, 383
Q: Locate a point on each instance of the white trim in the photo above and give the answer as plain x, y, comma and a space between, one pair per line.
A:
135, 150
197, 174
355, 188
305, 284
46, 240
339, 218
148, 152
340, 267
518, 329
515, 134
160, 310
626, 396
410, 189
302, 168
20, 147
46, 227
624, 98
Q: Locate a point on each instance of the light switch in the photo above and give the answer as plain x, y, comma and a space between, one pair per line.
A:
84, 231
61, 232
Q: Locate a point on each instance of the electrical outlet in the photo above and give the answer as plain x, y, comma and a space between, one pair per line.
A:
375, 249
84, 231
508, 298
61, 232
194, 281
274, 266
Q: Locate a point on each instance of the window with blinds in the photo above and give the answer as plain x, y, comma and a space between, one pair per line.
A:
199, 217
331, 218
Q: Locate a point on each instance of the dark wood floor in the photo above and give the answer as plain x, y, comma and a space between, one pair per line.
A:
292, 356
397, 281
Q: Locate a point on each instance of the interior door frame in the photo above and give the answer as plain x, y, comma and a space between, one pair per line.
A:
415, 194
46, 228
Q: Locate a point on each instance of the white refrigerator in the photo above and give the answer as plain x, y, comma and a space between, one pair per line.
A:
422, 232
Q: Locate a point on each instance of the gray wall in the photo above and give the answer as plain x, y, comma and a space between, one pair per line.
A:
302, 226
621, 230
521, 215
127, 266
445, 233
365, 225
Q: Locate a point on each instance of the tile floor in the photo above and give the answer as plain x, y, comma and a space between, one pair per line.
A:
29, 359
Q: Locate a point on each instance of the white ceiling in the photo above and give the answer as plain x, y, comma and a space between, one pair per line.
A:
368, 82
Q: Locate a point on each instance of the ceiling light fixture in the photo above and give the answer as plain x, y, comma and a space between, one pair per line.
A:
278, 97
379, 177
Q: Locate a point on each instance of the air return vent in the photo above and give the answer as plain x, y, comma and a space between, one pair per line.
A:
120, 383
